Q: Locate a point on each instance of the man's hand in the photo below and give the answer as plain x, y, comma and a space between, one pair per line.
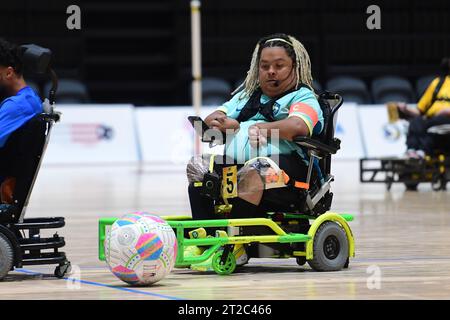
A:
218, 121
444, 113
402, 107
405, 112
221, 122
256, 136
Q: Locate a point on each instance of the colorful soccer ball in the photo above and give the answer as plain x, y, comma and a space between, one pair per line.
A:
140, 248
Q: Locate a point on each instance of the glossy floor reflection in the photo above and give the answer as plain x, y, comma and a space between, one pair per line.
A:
402, 239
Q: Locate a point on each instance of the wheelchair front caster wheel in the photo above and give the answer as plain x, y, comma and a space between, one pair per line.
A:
224, 268
301, 260
6, 256
61, 271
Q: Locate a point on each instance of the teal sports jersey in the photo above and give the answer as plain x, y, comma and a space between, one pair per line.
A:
301, 103
15, 111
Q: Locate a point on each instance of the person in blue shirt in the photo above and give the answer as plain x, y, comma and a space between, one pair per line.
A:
275, 104
21, 103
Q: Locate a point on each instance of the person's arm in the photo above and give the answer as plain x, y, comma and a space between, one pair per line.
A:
409, 112
288, 128
424, 103
303, 117
443, 113
10, 120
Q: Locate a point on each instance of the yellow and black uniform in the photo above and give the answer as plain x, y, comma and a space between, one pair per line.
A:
429, 106
434, 101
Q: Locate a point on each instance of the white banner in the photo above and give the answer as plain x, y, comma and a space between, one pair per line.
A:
116, 134
381, 138
93, 134
165, 134
167, 137
348, 131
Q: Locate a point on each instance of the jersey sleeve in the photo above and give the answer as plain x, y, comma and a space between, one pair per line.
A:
11, 118
233, 107
425, 101
307, 108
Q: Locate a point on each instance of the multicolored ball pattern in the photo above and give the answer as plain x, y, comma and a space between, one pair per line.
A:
140, 248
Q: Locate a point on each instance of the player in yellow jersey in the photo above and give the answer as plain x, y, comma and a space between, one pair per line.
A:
433, 109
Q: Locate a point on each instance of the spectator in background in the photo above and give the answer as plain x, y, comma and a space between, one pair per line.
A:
433, 109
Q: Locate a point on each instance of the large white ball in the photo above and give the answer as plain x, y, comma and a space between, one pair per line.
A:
140, 248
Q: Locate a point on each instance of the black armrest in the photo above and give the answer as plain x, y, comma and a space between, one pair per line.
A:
54, 116
318, 146
443, 129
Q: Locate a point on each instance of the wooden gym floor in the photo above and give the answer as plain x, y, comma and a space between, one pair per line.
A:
402, 241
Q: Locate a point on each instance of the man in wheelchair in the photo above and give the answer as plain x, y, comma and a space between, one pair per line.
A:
429, 123
25, 126
275, 105
271, 127
21, 105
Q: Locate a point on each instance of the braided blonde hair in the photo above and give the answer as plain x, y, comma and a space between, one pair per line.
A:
301, 62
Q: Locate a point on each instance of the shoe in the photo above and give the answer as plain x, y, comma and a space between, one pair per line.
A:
193, 251
240, 254
421, 154
203, 266
239, 250
415, 154
199, 233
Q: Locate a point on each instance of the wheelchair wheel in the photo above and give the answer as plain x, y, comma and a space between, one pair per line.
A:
6, 256
62, 270
330, 248
226, 268
411, 186
300, 260
438, 183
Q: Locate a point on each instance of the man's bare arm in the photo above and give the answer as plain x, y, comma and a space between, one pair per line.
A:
288, 128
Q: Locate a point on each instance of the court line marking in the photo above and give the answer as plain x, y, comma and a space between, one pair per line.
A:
99, 284
289, 262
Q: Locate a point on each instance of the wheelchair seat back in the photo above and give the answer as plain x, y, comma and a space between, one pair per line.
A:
22, 156
330, 104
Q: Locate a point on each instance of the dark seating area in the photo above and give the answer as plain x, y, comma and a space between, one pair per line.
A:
215, 91
139, 51
378, 91
69, 91
350, 88
392, 88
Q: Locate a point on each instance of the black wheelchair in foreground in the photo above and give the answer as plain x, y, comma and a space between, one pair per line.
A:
21, 243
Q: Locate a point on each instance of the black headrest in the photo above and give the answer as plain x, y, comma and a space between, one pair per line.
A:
36, 59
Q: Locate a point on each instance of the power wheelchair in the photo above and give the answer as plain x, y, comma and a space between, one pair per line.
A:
20, 238
326, 244
434, 168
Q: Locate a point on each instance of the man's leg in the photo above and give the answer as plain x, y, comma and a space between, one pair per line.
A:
288, 199
415, 133
202, 207
242, 209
